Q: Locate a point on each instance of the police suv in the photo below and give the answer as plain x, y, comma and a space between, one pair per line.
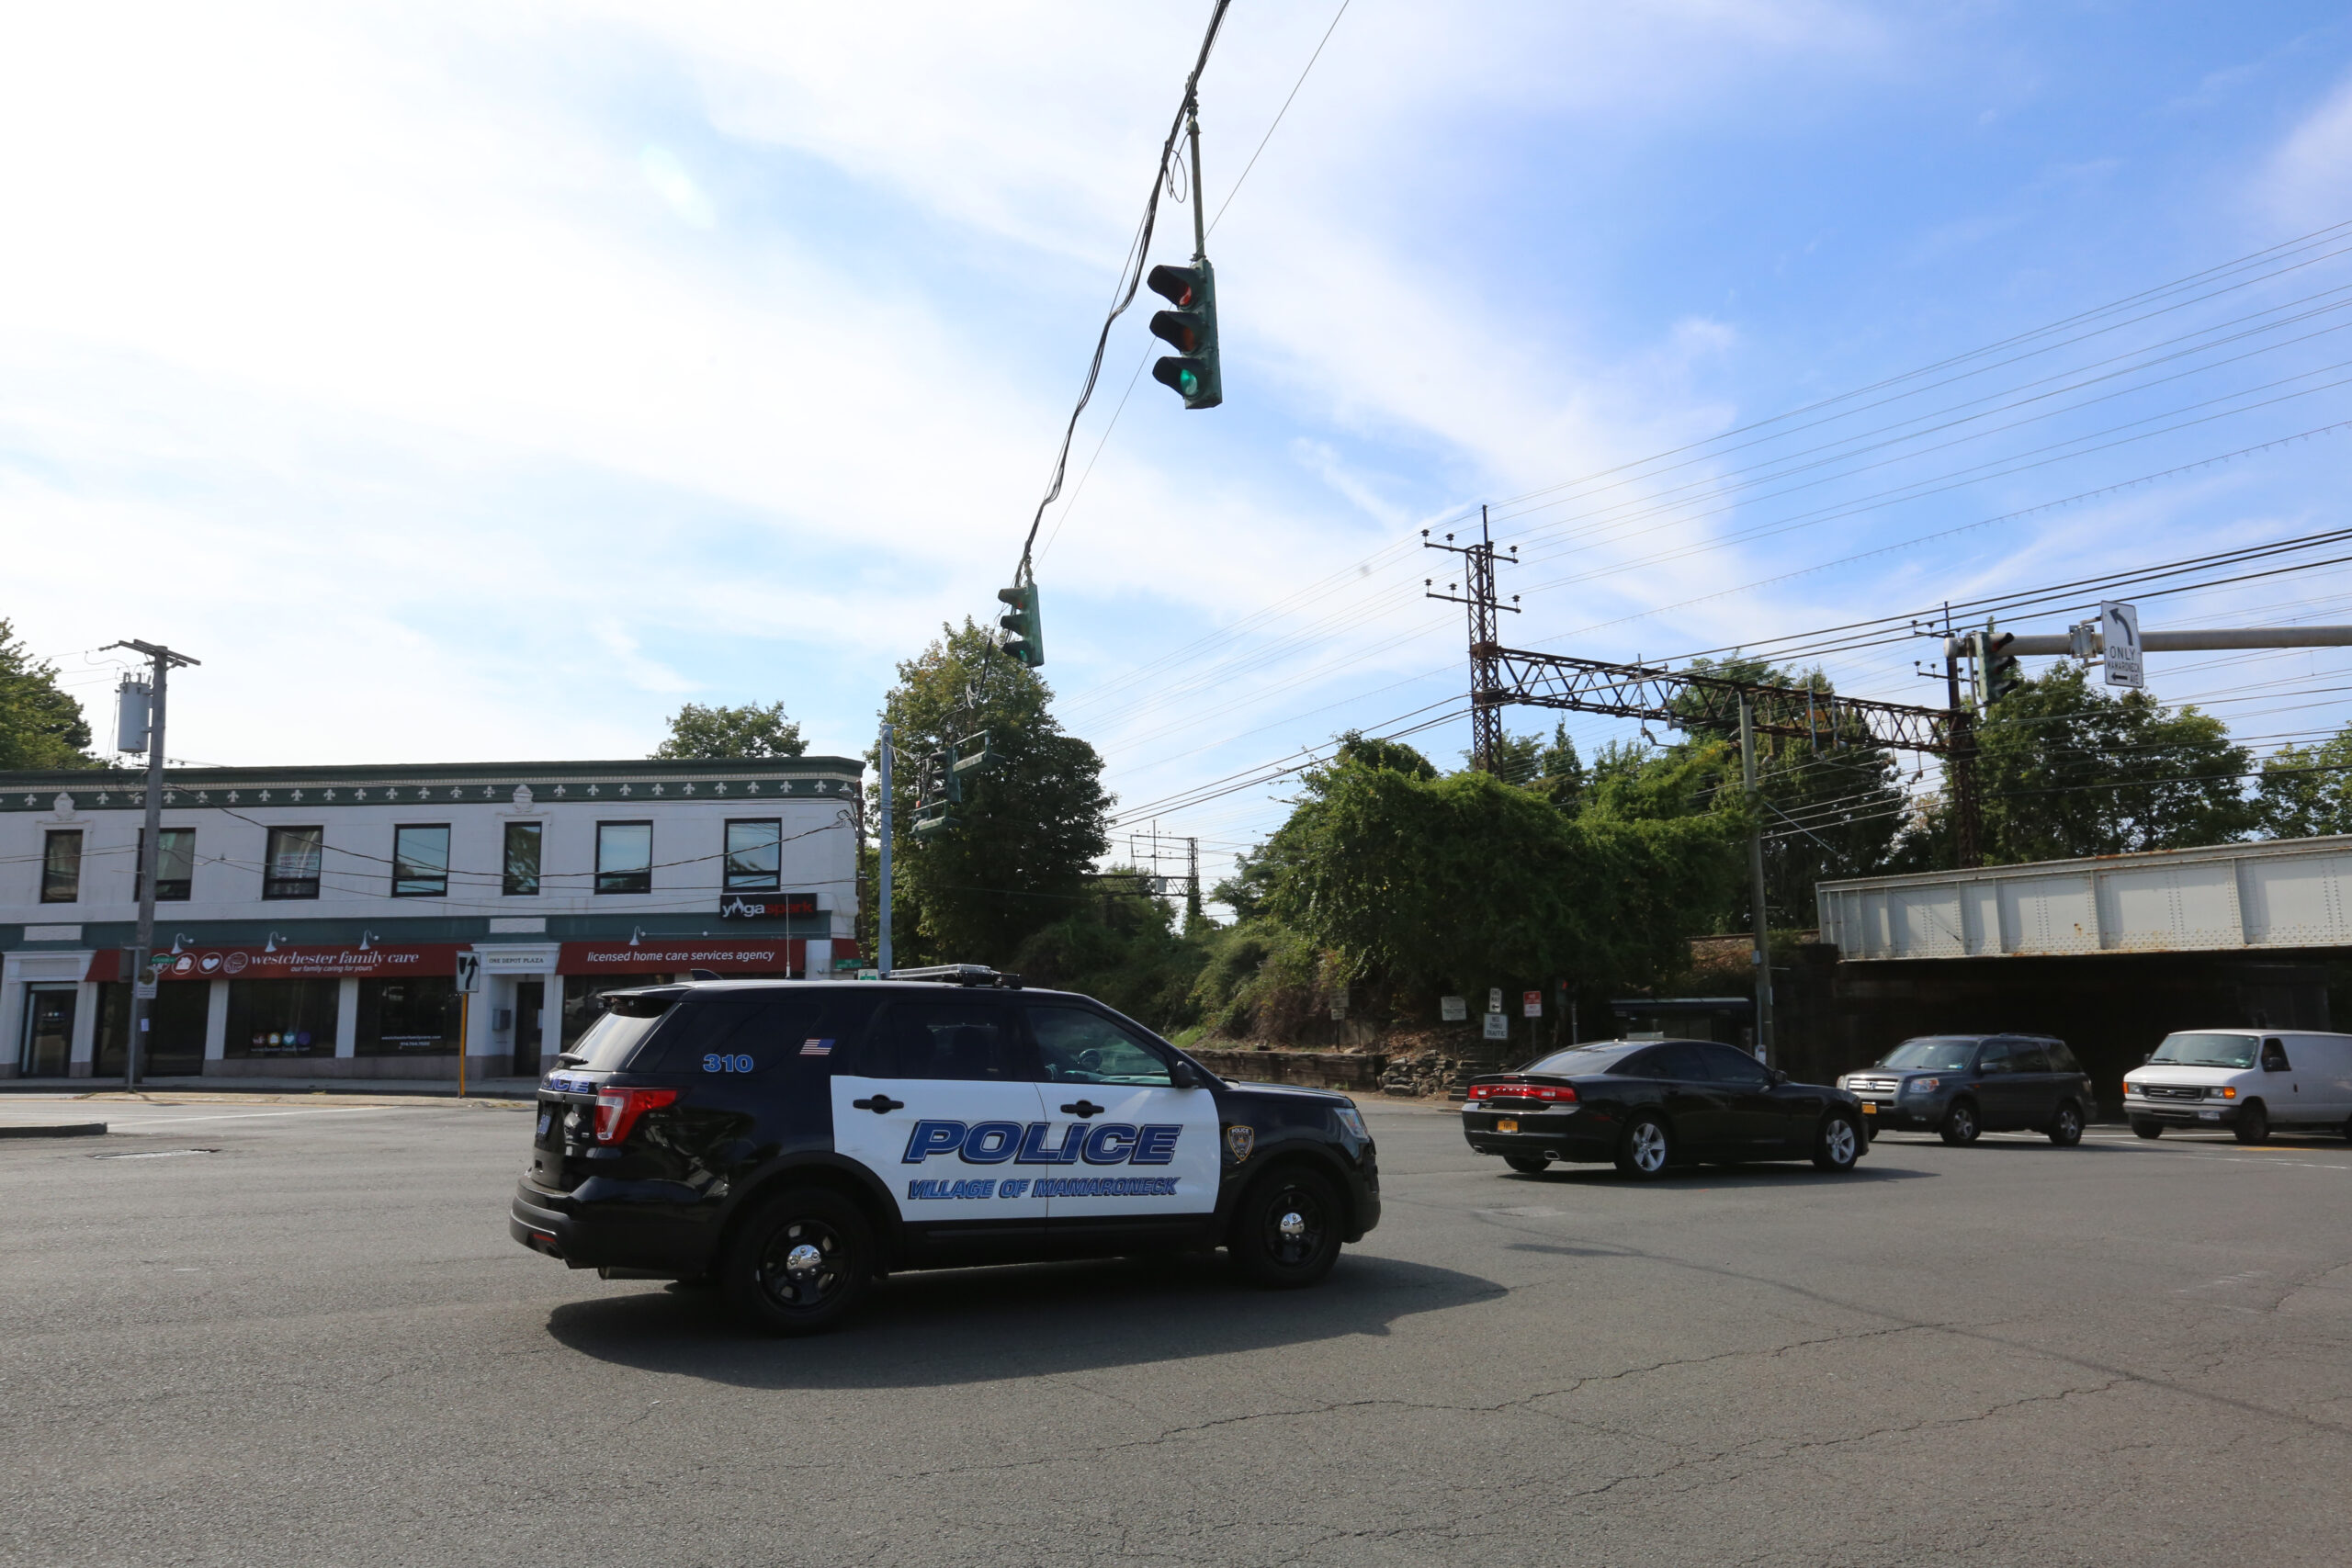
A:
790, 1142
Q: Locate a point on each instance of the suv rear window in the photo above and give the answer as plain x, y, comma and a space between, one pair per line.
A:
2061, 1059
613, 1039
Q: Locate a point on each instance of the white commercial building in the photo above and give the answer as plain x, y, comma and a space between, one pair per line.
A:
309, 920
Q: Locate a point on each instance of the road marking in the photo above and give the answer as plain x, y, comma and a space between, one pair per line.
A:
257, 1115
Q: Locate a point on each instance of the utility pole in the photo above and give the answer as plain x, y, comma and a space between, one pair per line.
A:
1192, 883
1967, 825
882, 889
162, 662
1487, 694
1755, 887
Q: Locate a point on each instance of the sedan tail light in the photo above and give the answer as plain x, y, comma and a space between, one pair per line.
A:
1557, 1093
618, 1109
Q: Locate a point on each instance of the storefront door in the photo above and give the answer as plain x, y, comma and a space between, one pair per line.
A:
530, 1005
47, 1048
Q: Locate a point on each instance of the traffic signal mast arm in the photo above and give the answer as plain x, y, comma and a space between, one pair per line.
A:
2085, 641
1704, 701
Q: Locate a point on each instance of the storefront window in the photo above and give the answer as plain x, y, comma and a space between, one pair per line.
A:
281, 1018
175, 1019
625, 857
60, 867
754, 856
290, 869
174, 864
522, 860
417, 1015
420, 862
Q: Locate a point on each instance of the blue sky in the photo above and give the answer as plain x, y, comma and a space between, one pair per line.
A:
482, 381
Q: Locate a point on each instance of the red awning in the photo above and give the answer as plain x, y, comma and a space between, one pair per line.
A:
291, 961
783, 956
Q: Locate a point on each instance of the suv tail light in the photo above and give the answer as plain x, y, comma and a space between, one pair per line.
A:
618, 1109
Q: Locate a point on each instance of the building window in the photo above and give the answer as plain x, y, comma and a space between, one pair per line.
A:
754, 856
417, 1015
290, 869
60, 867
420, 862
175, 866
624, 857
522, 860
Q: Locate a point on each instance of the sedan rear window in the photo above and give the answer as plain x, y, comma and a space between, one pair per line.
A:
1583, 1058
2207, 1050
1932, 1054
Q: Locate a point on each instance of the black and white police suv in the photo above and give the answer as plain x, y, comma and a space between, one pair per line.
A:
791, 1141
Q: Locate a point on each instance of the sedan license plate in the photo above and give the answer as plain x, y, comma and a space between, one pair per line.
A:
1506, 1125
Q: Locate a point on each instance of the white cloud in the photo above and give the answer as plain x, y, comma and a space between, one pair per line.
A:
2309, 180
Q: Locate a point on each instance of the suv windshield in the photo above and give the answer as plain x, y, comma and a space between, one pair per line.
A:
2207, 1050
1931, 1056
613, 1039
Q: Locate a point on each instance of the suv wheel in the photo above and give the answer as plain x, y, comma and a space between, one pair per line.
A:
2253, 1125
2066, 1127
1839, 1144
1646, 1149
1960, 1123
1286, 1229
1528, 1164
801, 1263
2147, 1129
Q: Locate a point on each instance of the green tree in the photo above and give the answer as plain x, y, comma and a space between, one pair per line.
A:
1030, 827
41, 724
1465, 880
711, 733
2305, 792
2067, 772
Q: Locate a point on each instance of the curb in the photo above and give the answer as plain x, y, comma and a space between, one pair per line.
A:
63, 1130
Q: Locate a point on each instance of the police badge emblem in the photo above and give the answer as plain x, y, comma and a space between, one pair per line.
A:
1239, 1141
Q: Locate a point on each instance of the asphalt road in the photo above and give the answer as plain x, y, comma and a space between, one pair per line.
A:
315, 1345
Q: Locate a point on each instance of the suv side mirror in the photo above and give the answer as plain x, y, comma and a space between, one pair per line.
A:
1779, 1077
1183, 1075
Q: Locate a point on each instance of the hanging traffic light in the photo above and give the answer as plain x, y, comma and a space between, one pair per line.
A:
1022, 639
1190, 329
2001, 673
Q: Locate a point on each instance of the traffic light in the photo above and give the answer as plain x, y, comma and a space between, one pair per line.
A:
1022, 639
2001, 673
942, 782
1190, 329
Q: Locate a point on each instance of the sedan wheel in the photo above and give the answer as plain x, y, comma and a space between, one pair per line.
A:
2066, 1127
1645, 1150
1960, 1124
1839, 1144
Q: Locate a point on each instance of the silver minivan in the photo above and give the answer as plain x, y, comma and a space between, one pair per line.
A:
2249, 1080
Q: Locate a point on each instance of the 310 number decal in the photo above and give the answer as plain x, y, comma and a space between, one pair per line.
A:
715, 1064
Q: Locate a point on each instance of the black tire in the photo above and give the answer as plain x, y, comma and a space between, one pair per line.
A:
1838, 1143
1528, 1164
2066, 1127
1961, 1126
2149, 1130
801, 1263
1647, 1148
1286, 1228
2253, 1125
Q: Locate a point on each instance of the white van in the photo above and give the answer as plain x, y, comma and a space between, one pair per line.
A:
2249, 1080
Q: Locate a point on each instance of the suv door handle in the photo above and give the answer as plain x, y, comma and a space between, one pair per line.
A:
1084, 1108
881, 1104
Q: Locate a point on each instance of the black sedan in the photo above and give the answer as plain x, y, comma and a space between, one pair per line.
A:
1649, 1104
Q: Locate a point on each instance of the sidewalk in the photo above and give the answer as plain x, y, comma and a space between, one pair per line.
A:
442, 1089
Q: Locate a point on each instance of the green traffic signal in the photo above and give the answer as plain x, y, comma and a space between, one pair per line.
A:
1022, 639
1191, 330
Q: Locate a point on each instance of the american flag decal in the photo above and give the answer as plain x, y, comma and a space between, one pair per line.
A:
816, 1047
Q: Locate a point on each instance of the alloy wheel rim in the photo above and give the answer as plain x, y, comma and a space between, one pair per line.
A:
1649, 1147
1293, 1227
1963, 1122
804, 1266
1840, 1140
